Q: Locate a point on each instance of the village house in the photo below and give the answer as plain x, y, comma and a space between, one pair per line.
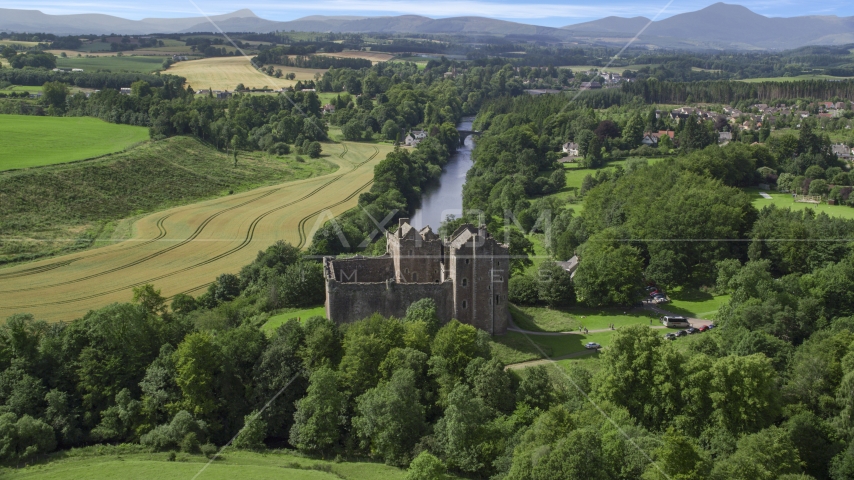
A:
590, 85
414, 138
724, 138
842, 151
328, 108
571, 266
571, 149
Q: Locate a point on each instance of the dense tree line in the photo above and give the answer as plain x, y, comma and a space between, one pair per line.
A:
36, 77
654, 91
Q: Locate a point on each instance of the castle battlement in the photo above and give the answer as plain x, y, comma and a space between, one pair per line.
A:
465, 274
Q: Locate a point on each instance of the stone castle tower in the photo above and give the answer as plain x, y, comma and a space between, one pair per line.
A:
465, 274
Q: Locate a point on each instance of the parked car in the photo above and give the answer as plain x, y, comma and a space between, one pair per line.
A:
670, 336
654, 293
681, 333
712, 325
704, 328
691, 330
593, 346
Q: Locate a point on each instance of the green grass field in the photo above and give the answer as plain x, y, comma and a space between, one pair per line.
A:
114, 64
105, 462
784, 200
30, 141
695, 303
542, 319
279, 319
515, 347
22, 88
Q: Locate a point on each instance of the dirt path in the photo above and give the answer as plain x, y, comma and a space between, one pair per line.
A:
544, 361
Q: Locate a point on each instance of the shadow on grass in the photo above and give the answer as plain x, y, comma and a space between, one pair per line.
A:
524, 320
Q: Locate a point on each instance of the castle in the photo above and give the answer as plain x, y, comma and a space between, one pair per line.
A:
465, 274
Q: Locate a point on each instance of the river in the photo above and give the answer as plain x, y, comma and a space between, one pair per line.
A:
446, 196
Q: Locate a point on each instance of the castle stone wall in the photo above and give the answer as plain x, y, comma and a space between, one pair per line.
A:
350, 302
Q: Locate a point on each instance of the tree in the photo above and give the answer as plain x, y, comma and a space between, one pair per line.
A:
454, 347
197, 360
253, 433
641, 373
55, 94
313, 150
389, 418
744, 393
610, 272
353, 130
23, 438
462, 432
140, 88
524, 290
390, 130
678, 458
765, 455
819, 187
319, 414
535, 389
426, 467
579, 456
633, 133
149, 298
555, 285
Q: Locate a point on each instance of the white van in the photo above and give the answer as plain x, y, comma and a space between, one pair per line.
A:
674, 322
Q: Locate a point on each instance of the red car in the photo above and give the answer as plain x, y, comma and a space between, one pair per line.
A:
704, 328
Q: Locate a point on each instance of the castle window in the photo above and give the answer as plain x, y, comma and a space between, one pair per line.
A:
465, 305
497, 298
406, 270
465, 281
499, 263
415, 276
411, 251
467, 261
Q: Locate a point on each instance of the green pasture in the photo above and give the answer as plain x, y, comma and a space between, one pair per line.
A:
138, 64
301, 313
784, 200
105, 462
21, 88
30, 141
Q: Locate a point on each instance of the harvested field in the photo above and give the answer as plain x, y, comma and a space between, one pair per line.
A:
224, 73
374, 57
183, 249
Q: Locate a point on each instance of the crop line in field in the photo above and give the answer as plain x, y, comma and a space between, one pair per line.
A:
53, 266
247, 240
195, 234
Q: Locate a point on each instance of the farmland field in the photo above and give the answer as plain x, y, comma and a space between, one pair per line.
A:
30, 141
374, 57
183, 249
224, 73
105, 462
114, 64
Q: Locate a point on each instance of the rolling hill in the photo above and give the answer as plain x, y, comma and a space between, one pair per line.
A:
718, 26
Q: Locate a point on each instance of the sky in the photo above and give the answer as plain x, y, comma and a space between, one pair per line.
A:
550, 13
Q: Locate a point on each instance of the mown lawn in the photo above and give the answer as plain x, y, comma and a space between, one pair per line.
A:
30, 141
695, 303
784, 200
543, 319
515, 347
300, 313
105, 462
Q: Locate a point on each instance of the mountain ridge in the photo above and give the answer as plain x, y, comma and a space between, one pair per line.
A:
718, 26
